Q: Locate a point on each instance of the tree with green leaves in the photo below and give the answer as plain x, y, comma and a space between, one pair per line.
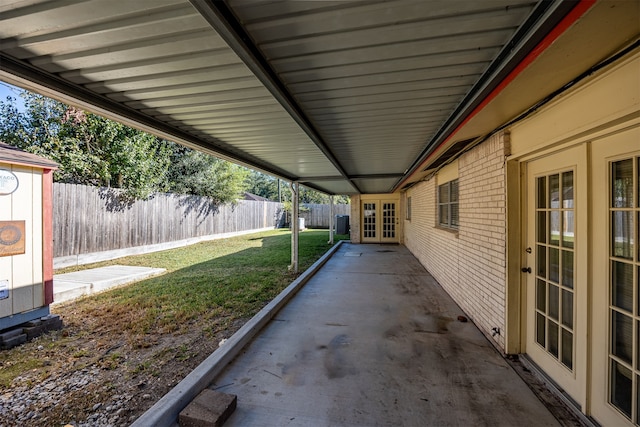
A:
267, 186
262, 185
194, 172
89, 149
92, 150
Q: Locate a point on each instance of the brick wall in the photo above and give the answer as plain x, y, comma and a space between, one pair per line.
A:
470, 264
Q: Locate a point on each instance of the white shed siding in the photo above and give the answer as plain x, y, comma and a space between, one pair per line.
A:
23, 271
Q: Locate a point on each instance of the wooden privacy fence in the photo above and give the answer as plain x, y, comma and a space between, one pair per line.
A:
93, 219
317, 216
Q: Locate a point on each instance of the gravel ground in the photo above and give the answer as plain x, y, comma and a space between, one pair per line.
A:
86, 381
26, 404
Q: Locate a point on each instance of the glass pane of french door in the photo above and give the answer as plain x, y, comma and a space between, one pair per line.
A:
554, 265
369, 220
624, 304
388, 220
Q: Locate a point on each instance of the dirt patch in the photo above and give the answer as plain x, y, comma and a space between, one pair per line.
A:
92, 374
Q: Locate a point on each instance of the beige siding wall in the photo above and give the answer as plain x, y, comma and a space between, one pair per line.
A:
23, 271
354, 220
469, 264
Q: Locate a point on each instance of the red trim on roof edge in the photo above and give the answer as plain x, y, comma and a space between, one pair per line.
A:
559, 29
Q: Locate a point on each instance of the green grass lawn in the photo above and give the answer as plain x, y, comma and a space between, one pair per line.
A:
222, 279
209, 289
141, 339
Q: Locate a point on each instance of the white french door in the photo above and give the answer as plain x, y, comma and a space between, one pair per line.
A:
379, 221
616, 279
556, 244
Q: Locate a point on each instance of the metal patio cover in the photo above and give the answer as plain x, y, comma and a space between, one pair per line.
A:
345, 97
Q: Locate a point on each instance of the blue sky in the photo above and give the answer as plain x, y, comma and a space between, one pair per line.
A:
8, 90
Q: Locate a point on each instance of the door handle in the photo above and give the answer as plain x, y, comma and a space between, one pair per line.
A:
526, 270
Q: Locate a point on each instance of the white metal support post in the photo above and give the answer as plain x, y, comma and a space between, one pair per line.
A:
331, 216
295, 225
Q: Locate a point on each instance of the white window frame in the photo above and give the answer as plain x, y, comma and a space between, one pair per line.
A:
452, 188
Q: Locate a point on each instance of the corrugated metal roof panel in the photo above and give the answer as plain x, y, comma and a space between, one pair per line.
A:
163, 58
345, 96
378, 79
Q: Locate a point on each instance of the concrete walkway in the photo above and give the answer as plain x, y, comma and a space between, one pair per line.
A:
79, 283
373, 340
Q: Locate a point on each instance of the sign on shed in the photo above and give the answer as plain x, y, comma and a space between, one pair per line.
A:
11, 238
8, 182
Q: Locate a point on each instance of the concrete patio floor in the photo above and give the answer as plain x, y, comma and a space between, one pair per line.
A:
373, 340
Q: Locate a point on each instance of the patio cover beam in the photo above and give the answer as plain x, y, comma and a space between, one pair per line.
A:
295, 227
224, 22
331, 215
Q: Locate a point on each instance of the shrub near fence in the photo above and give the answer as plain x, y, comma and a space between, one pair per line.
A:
89, 220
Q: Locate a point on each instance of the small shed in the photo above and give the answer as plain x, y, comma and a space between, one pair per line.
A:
26, 236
